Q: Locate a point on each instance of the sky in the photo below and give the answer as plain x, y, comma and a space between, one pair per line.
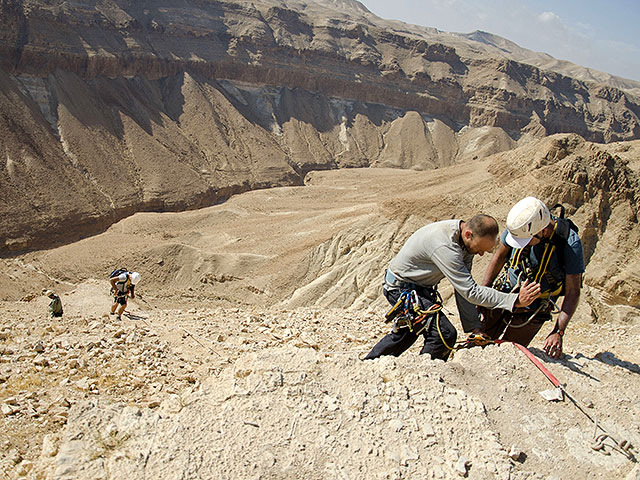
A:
599, 34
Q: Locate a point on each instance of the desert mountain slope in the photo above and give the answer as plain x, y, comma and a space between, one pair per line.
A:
110, 108
545, 61
326, 242
239, 356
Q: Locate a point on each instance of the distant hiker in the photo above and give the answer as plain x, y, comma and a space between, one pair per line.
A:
123, 284
55, 307
539, 247
435, 251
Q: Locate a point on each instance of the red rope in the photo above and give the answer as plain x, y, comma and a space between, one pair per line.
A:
535, 361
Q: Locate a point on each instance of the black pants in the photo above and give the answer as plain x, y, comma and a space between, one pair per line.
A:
395, 343
120, 299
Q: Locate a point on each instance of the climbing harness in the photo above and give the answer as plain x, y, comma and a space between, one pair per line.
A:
521, 262
408, 313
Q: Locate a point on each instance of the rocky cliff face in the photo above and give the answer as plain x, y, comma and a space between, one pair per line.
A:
111, 107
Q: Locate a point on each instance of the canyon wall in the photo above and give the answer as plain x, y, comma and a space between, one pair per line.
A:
112, 107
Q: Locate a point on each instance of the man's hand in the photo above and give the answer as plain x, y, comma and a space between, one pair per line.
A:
529, 291
553, 345
484, 313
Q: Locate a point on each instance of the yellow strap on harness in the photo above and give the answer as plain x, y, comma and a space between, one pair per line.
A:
440, 333
544, 261
542, 266
515, 260
436, 308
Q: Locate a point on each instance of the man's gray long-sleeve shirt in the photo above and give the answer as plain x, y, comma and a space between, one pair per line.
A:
436, 251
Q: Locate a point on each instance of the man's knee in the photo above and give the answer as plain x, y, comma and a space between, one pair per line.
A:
449, 333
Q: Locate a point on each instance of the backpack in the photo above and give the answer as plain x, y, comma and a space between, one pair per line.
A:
117, 272
562, 232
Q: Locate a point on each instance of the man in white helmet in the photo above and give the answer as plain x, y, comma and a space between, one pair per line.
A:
123, 284
539, 247
55, 307
440, 250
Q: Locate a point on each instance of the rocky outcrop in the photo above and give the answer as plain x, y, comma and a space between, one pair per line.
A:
293, 406
192, 390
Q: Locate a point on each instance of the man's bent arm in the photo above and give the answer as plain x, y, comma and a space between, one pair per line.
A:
497, 262
453, 268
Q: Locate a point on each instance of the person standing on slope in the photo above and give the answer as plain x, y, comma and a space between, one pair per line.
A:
123, 284
55, 307
544, 249
435, 251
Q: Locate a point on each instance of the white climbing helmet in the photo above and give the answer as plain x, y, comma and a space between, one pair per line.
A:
135, 277
527, 217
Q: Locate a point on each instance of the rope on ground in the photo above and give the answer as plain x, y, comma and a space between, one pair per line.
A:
192, 335
199, 342
623, 446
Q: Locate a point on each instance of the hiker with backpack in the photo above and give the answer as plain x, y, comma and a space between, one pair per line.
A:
536, 246
123, 285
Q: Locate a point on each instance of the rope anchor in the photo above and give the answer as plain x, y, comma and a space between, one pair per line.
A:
623, 446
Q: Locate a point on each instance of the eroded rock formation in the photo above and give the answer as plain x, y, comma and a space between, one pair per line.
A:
113, 107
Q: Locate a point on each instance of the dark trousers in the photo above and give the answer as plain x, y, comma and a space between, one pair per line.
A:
520, 330
395, 343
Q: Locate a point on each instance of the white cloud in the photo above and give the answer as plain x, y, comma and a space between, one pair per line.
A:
558, 34
547, 17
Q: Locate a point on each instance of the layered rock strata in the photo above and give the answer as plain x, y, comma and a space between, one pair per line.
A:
112, 107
